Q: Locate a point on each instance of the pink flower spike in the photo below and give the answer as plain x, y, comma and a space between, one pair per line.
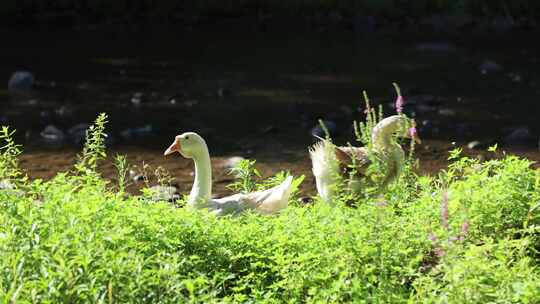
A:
464, 230
444, 211
439, 252
412, 132
399, 104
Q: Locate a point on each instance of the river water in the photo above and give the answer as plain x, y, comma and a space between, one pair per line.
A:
257, 95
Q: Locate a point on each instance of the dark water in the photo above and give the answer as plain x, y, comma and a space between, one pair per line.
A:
258, 95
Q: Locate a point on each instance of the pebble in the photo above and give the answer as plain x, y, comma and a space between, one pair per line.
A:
138, 178
190, 103
32, 102
305, 200
489, 66
64, 111
268, 129
318, 131
479, 144
436, 47
475, 144
447, 112
137, 98
21, 81
52, 134
137, 132
515, 77
224, 93
520, 136
422, 108
164, 193
502, 23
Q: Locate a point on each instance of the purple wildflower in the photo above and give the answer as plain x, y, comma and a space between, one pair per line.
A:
412, 132
382, 204
444, 210
432, 237
464, 230
399, 100
439, 252
399, 104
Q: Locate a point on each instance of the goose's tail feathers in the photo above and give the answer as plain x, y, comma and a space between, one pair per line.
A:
325, 166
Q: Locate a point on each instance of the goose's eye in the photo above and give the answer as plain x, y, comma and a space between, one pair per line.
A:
187, 137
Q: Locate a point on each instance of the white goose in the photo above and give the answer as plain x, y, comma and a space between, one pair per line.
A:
191, 145
331, 163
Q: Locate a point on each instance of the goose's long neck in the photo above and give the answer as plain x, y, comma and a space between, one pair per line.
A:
385, 144
201, 192
382, 135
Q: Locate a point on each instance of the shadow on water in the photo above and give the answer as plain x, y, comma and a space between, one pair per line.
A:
258, 95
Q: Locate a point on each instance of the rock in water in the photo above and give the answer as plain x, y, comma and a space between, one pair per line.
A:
319, 131
489, 66
480, 144
137, 132
436, 47
137, 98
52, 134
520, 136
77, 133
21, 81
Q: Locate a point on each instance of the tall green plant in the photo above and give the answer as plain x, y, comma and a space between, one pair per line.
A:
363, 130
121, 164
94, 146
9, 153
244, 172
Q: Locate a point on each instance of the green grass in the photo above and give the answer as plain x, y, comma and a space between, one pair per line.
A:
77, 239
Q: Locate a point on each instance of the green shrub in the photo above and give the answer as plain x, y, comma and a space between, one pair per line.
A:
74, 239
494, 272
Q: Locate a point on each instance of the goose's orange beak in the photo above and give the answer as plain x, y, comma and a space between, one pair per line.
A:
175, 147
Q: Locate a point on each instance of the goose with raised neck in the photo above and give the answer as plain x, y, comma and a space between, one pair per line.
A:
192, 146
331, 163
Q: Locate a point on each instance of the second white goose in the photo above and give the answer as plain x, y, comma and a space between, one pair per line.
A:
331, 163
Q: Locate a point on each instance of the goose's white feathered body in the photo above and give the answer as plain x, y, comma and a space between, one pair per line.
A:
269, 201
